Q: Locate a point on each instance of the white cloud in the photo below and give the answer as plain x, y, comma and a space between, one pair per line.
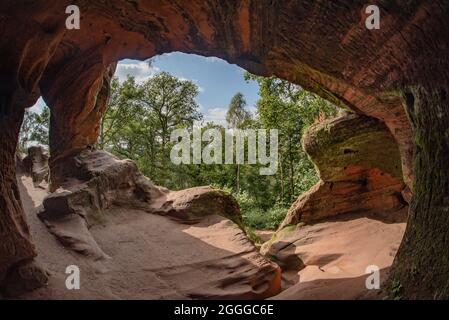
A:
216, 115
140, 70
169, 54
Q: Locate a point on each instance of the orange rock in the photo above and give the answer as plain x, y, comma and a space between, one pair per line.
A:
359, 166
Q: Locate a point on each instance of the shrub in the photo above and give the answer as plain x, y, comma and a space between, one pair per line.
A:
255, 217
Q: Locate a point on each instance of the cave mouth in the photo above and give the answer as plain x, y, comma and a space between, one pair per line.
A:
340, 195
326, 48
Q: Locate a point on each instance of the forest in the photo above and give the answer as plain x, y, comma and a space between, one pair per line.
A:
141, 116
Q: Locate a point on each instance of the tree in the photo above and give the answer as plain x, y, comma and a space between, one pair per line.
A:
172, 102
121, 109
139, 120
290, 109
237, 117
35, 128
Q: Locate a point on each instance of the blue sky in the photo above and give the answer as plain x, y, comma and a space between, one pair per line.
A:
218, 80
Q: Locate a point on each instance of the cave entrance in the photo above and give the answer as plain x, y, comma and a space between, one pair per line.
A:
339, 174
322, 46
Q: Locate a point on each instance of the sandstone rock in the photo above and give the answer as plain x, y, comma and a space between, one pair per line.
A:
218, 262
156, 257
64, 216
328, 259
351, 141
196, 203
19, 162
360, 176
228, 266
346, 64
24, 277
36, 164
359, 167
96, 180
322, 45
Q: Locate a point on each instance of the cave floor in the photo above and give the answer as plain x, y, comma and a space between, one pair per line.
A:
153, 257
336, 254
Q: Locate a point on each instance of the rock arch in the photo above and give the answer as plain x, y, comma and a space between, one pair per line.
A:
321, 45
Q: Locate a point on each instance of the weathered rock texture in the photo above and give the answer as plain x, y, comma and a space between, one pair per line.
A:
66, 141
35, 164
93, 181
328, 259
360, 175
97, 183
359, 167
152, 256
322, 45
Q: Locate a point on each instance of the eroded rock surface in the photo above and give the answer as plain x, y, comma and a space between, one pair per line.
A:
360, 191
359, 167
322, 45
81, 214
329, 259
196, 203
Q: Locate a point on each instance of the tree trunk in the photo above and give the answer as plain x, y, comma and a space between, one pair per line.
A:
421, 267
238, 178
282, 178
292, 172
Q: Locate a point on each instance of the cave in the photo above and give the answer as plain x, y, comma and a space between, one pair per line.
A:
396, 75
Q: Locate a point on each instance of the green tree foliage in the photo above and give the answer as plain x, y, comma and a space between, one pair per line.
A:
141, 116
290, 109
264, 200
237, 116
35, 129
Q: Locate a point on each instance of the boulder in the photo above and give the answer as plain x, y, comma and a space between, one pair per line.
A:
105, 201
359, 168
196, 203
96, 180
35, 164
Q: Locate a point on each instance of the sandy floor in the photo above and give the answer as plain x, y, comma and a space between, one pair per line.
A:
153, 257
337, 253
209, 259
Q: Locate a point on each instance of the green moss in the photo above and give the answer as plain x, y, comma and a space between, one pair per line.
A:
352, 140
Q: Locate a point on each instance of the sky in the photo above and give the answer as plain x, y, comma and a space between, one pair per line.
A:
218, 81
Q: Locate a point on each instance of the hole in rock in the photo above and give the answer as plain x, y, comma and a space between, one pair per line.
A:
145, 241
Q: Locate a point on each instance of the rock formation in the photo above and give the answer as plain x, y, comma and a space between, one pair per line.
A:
359, 168
360, 176
329, 258
36, 164
97, 183
321, 45
152, 256
96, 180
